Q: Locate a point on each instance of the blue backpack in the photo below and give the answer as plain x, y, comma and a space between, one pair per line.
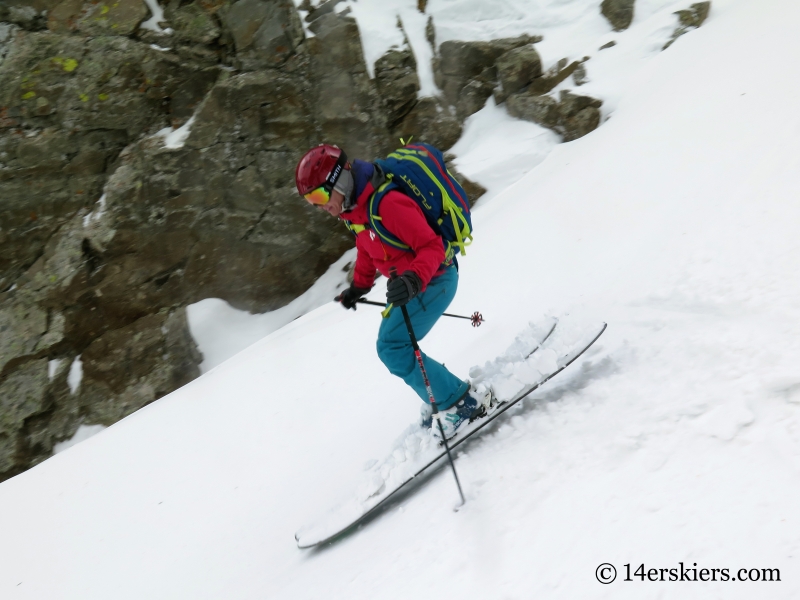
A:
419, 172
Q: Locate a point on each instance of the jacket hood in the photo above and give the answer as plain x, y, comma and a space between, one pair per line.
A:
367, 177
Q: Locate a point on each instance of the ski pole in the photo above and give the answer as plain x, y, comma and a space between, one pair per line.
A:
436, 415
476, 318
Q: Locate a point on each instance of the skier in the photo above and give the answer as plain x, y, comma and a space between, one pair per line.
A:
426, 282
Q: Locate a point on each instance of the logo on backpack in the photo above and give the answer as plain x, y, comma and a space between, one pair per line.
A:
417, 194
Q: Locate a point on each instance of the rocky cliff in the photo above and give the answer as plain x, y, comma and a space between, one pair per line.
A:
144, 169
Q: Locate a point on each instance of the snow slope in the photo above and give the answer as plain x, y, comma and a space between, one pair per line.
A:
676, 440
222, 331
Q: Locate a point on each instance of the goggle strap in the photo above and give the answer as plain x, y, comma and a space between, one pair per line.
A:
336, 172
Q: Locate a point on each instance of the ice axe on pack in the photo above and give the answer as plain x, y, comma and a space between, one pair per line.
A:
476, 318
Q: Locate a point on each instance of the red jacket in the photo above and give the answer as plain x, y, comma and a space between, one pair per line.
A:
404, 219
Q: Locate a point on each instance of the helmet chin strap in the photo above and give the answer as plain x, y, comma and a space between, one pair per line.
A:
345, 185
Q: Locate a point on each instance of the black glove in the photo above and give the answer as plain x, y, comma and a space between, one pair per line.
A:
402, 289
350, 296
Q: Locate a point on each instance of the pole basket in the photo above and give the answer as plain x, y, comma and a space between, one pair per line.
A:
476, 319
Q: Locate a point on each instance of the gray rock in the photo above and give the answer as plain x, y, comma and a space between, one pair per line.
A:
539, 109
22, 15
343, 99
193, 23
578, 125
56, 267
253, 104
21, 328
689, 19
103, 83
397, 82
64, 16
459, 62
28, 14
618, 12
573, 116
571, 104
266, 32
430, 33
579, 76
121, 17
44, 179
473, 97
695, 16
58, 421
431, 122
23, 394
7, 31
323, 9
95, 96
8, 454
128, 368
123, 370
579, 115
516, 69
221, 217
554, 76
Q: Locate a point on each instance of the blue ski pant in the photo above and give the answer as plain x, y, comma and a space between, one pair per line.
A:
397, 353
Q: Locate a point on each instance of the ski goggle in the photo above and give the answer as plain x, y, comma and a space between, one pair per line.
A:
319, 196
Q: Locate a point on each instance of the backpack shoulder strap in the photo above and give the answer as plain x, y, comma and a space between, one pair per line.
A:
375, 220
354, 228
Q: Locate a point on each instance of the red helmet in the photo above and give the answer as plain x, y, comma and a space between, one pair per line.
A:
320, 166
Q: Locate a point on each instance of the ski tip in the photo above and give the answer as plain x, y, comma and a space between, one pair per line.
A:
307, 541
305, 545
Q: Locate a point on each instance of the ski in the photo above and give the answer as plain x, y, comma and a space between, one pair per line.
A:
353, 514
